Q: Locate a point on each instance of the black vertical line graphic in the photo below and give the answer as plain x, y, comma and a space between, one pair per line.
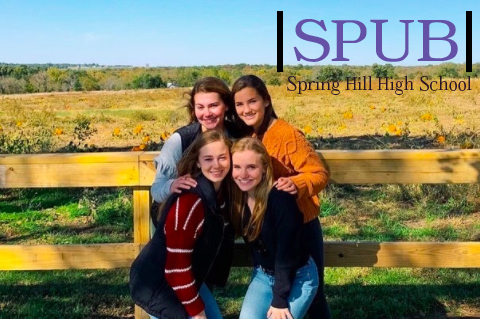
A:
279, 41
469, 41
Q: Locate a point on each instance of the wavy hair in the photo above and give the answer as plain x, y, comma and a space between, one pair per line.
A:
211, 85
254, 226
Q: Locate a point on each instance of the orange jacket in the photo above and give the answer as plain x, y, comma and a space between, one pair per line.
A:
293, 156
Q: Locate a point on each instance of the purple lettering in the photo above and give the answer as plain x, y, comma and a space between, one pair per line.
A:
341, 41
379, 39
427, 38
310, 38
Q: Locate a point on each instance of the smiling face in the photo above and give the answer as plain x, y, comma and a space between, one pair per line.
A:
214, 162
250, 107
247, 170
209, 110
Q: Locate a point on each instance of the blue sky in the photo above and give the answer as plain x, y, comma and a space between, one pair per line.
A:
186, 33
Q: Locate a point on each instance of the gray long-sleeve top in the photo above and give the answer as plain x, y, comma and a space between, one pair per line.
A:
166, 165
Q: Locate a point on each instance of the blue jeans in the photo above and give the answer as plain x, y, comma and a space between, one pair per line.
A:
211, 308
314, 240
259, 294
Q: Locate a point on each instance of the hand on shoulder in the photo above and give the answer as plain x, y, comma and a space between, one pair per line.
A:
287, 185
182, 182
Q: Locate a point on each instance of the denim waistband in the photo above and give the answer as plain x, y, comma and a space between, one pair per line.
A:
271, 272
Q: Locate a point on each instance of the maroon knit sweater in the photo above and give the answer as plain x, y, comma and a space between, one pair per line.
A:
182, 228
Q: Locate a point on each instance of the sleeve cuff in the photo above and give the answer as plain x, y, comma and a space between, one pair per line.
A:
279, 302
195, 307
166, 190
301, 185
160, 192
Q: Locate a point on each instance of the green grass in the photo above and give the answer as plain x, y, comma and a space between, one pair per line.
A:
373, 213
401, 293
65, 294
401, 213
66, 216
351, 292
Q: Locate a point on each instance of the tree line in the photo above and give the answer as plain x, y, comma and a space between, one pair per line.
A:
34, 78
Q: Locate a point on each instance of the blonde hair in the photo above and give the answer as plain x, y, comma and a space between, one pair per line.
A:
254, 226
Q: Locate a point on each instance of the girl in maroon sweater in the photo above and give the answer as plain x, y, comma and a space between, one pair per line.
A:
167, 278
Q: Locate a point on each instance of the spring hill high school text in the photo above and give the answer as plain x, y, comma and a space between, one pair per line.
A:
364, 83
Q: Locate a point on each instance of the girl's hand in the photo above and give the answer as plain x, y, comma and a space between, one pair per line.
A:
279, 313
183, 182
201, 315
286, 184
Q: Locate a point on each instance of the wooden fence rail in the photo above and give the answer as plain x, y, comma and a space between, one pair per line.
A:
136, 170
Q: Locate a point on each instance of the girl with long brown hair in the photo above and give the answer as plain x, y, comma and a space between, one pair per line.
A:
210, 107
168, 277
297, 169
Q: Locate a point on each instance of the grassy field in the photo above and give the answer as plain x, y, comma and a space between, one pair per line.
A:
98, 121
352, 293
354, 119
378, 213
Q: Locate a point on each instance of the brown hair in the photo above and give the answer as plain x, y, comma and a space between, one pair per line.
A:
254, 226
254, 82
211, 85
188, 163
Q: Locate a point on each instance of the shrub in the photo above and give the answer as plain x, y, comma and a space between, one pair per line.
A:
383, 71
12, 86
331, 73
26, 141
147, 81
82, 131
448, 70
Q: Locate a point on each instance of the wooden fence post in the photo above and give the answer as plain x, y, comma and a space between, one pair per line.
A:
141, 226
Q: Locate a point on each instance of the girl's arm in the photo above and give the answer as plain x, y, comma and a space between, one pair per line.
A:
182, 228
288, 223
166, 164
312, 176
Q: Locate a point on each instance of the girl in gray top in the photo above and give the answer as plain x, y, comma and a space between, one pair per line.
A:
210, 108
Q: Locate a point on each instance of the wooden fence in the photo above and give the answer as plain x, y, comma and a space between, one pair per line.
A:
136, 170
